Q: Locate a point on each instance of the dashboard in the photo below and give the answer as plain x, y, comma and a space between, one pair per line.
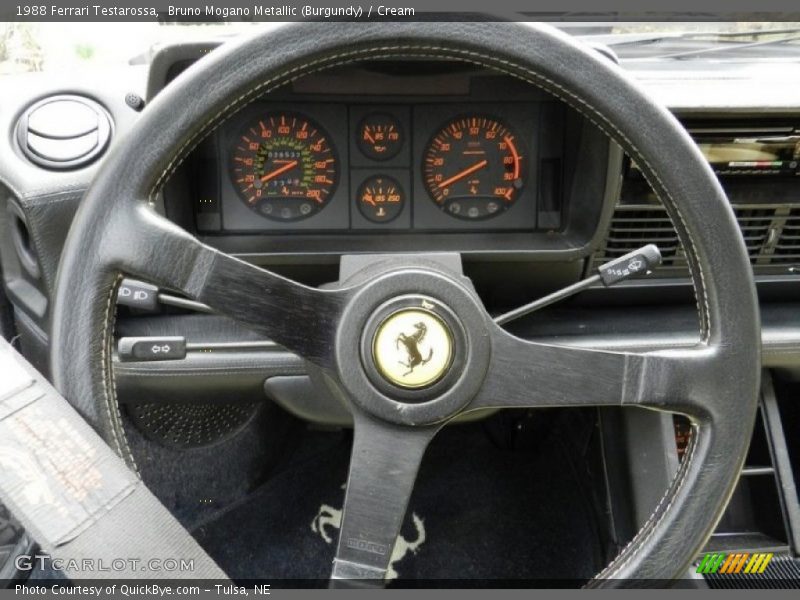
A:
575, 200
384, 158
376, 157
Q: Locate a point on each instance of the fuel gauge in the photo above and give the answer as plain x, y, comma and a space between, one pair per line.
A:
381, 199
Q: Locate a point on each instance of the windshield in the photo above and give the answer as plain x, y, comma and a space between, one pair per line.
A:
66, 47
28, 47
747, 40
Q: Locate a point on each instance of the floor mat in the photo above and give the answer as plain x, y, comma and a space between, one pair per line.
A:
478, 512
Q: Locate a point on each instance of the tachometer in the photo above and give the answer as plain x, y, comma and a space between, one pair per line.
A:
474, 167
284, 166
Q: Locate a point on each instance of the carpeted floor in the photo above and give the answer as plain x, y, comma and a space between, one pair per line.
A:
480, 510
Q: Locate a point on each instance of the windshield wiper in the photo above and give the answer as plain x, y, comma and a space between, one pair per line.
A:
726, 48
635, 39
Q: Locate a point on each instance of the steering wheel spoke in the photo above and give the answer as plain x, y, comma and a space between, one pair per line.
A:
383, 469
530, 374
300, 318
411, 345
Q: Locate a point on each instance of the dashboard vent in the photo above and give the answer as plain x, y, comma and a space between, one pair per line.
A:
771, 233
787, 250
64, 132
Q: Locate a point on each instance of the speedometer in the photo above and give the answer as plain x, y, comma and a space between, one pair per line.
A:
284, 166
473, 167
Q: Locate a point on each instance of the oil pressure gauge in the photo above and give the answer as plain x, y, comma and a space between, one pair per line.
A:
381, 199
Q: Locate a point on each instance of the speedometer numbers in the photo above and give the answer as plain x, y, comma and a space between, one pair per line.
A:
284, 167
473, 168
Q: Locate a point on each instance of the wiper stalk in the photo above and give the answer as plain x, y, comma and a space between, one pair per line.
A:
634, 264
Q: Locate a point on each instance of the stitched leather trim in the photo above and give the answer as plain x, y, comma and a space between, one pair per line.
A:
500, 65
629, 551
111, 404
514, 70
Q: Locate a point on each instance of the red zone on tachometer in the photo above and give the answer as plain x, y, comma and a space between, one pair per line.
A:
473, 168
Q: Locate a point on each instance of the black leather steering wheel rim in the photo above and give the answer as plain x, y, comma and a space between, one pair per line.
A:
720, 394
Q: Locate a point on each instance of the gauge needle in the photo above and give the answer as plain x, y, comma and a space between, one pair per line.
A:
464, 173
287, 167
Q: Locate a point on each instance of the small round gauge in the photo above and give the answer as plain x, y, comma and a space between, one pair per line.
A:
474, 167
381, 199
284, 166
380, 136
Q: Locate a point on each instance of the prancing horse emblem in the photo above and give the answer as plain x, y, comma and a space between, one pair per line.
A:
412, 348
411, 344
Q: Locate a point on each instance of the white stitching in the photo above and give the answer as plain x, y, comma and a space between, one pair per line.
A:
566, 95
390, 52
616, 565
198, 372
330, 62
104, 357
109, 384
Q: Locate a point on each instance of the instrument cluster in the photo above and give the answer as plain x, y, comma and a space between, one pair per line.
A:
339, 166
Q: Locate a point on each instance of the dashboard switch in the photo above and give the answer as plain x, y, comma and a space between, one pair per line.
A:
135, 101
138, 294
151, 348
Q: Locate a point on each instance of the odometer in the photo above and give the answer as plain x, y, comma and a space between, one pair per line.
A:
284, 166
473, 168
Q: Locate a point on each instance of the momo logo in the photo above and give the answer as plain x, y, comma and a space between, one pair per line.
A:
366, 546
411, 343
329, 519
734, 563
412, 348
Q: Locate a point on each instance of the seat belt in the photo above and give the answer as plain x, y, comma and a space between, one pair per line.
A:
75, 497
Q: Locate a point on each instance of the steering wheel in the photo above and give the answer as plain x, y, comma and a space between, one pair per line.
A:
344, 332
